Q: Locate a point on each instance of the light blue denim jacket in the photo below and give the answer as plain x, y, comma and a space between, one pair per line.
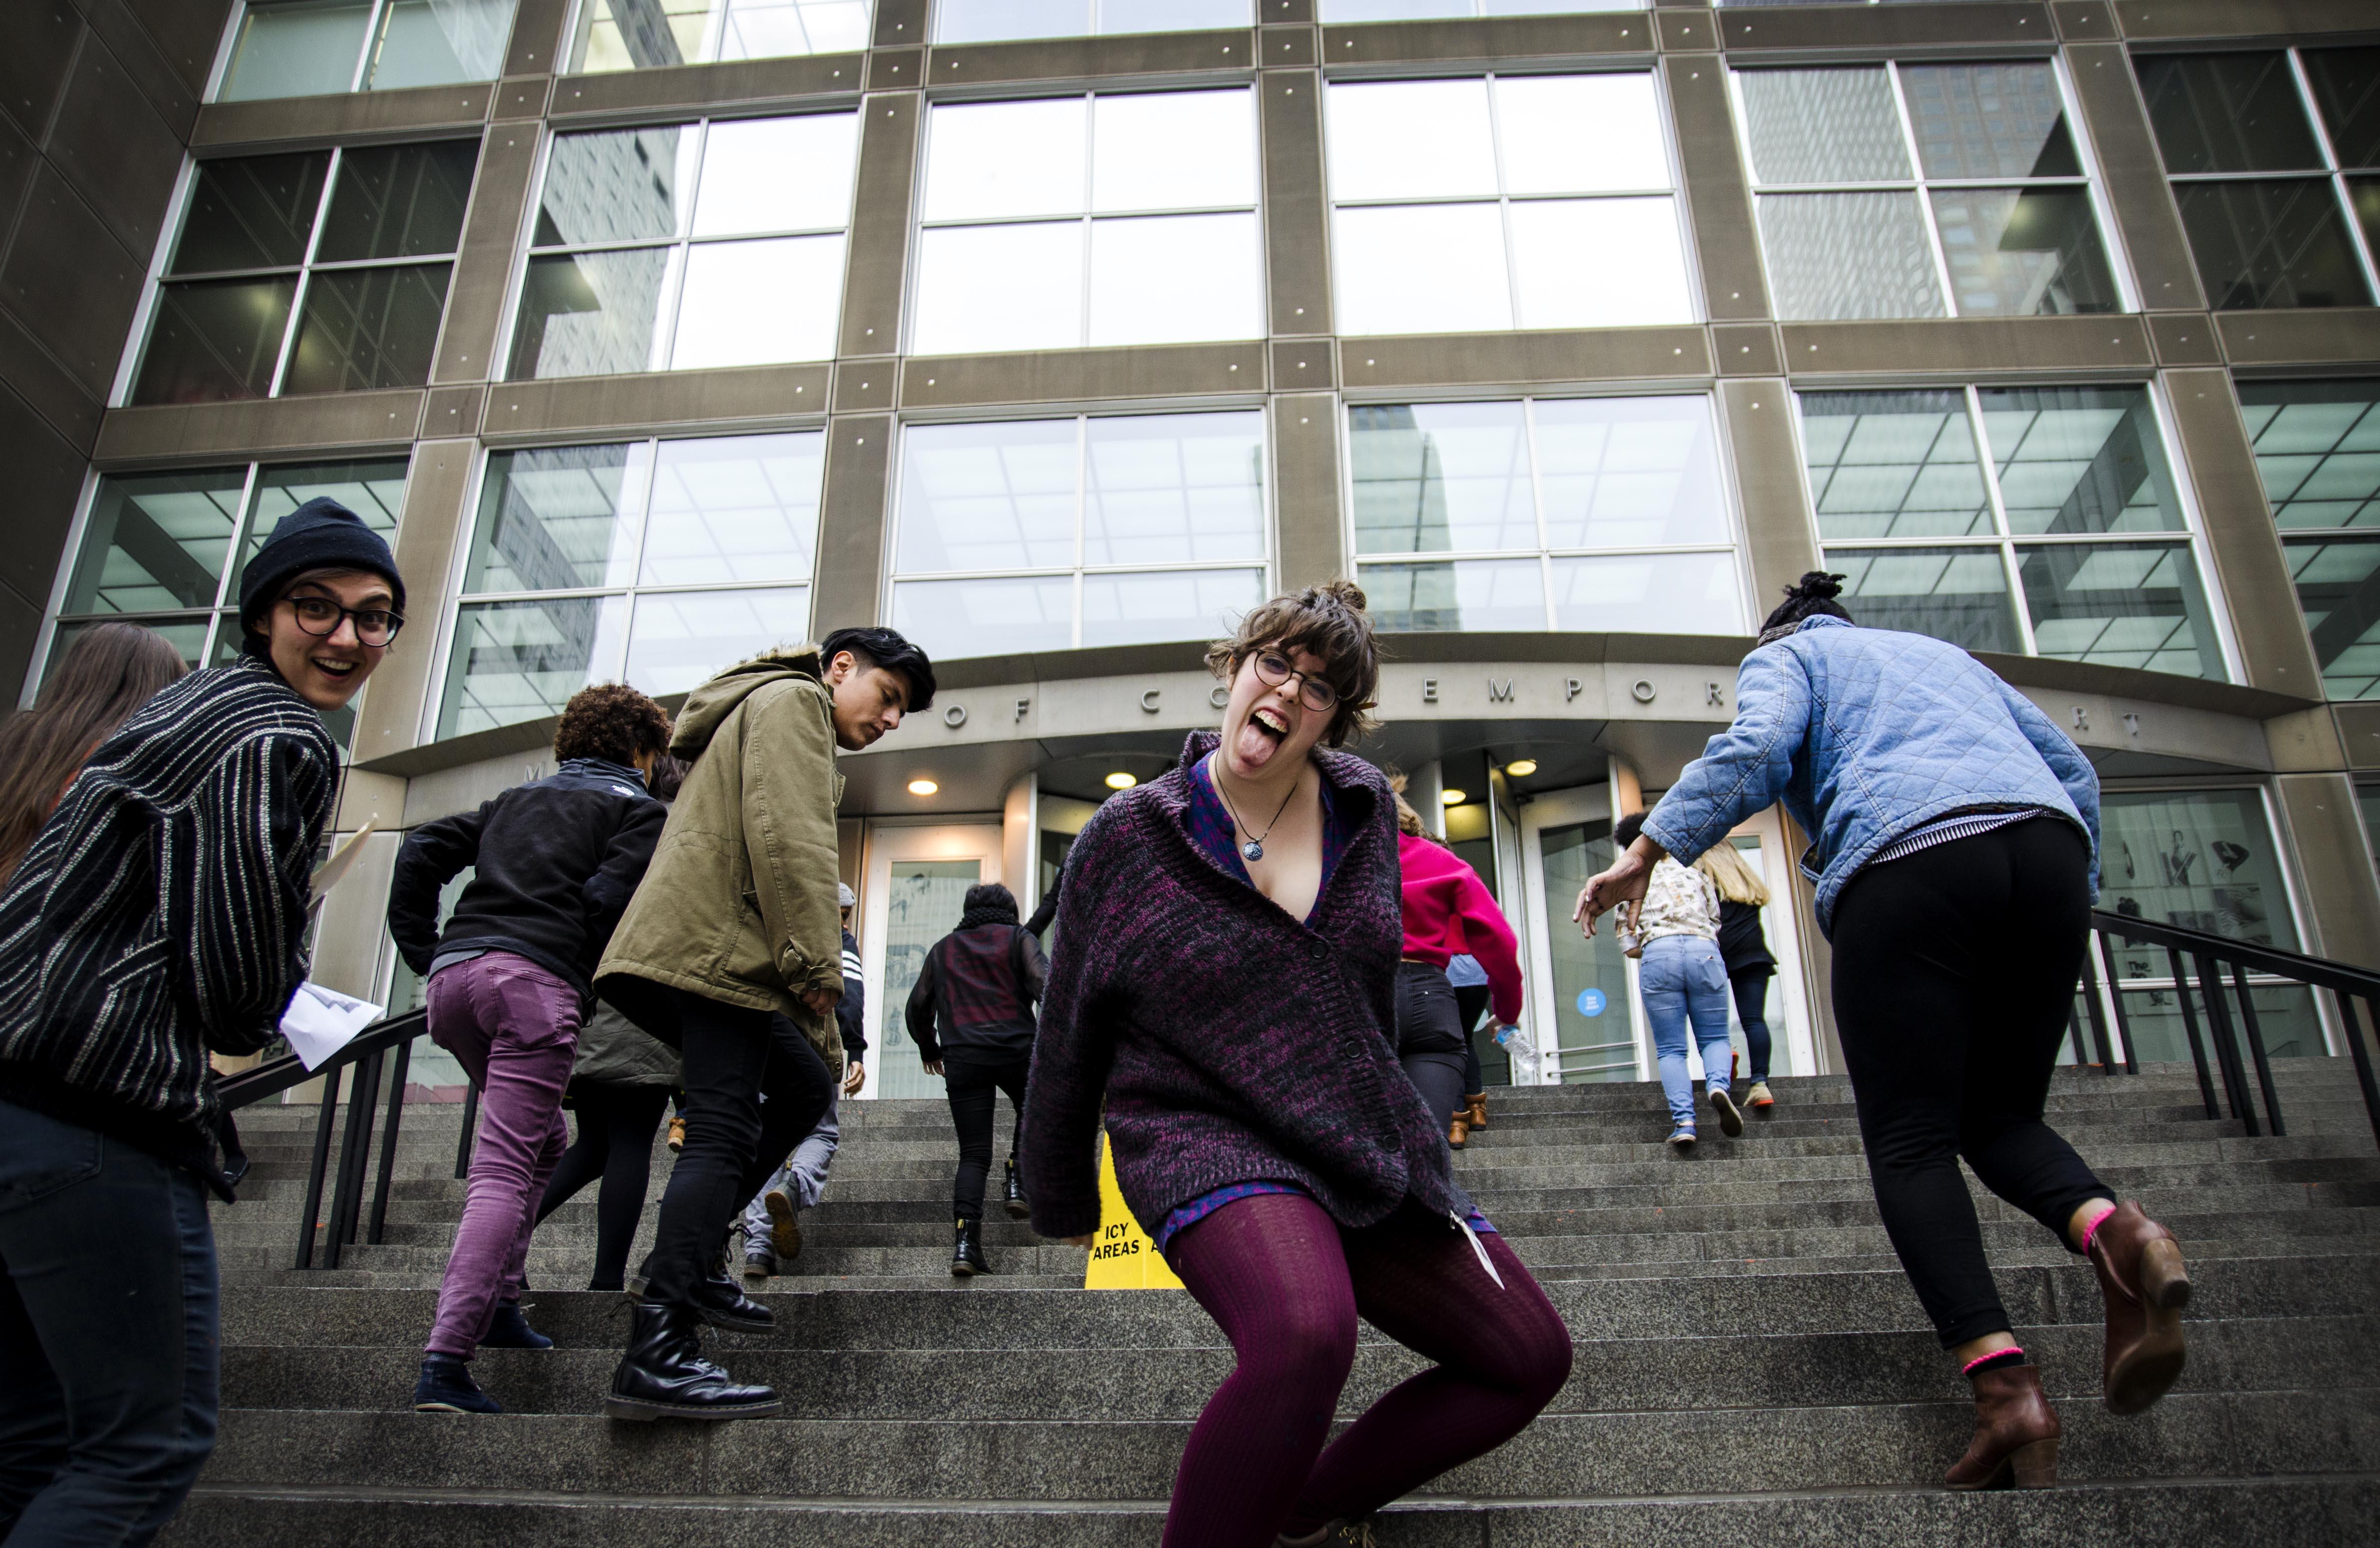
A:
1867, 735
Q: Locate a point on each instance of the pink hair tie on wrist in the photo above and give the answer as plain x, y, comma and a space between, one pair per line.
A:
2092, 1230
1969, 1369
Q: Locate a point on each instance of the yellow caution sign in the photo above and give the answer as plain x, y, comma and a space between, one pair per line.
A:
1123, 1258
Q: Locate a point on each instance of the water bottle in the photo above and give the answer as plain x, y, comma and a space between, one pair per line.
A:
1519, 1047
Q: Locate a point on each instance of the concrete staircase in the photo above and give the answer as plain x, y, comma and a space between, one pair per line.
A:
1751, 1366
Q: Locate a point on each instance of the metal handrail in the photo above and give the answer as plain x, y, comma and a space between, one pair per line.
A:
364, 1055
2211, 955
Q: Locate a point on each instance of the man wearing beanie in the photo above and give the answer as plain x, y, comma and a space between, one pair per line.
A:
159, 915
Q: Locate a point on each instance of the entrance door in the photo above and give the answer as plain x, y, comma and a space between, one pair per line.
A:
1582, 1003
916, 881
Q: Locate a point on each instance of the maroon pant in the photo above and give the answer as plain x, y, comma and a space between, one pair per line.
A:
514, 1027
1286, 1284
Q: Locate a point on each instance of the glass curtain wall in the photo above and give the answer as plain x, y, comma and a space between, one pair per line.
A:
1602, 515
1049, 535
653, 34
1987, 516
320, 272
634, 562
687, 246
2274, 160
1418, 10
304, 48
1922, 190
2318, 448
975, 21
1091, 220
1509, 202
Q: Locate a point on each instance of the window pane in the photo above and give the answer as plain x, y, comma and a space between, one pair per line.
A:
2346, 89
2318, 448
214, 340
2364, 194
1625, 472
1893, 464
1849, 255
2339, 588
399, 201
2204, 859
2080, 459
1421, 269
558, 518
1958, 594
757, 303
642, 34
1437, 478
975, 21
1172, 487
777, 175
250, 212
296, 50
1172, 16
1168, 279
374, 490
2123, 606
1598, 263
1192, 604
436, 42
987, 496
1470, 594
2226, 112
590, 314
1410, 140
1649, 593
516, 661
2271, 245
1580, 133
1835, 125
1173, 151
742, 508
156, 541
2023, 253
998, 288
1990, 121
615, 186
986, 160
985, 617
766, 29
682, 638
367, 328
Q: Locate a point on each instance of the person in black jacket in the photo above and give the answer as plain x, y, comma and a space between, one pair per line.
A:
972, 1015
1744, 949
557, 861
159, 913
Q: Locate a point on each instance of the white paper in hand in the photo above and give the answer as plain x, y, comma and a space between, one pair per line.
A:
321, 1021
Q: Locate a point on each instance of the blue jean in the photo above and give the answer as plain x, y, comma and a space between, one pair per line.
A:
1684, 983
109, 1338
803, 1176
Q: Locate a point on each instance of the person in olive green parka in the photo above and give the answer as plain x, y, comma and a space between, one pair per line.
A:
732, 952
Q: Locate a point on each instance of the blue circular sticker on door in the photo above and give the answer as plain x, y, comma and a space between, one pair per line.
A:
1590, 1002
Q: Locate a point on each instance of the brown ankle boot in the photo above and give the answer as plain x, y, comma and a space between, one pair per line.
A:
2144, 1285
1477, 1104
2016, 1433
1457, 1131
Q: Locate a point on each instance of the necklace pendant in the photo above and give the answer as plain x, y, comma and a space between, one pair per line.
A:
1253, 849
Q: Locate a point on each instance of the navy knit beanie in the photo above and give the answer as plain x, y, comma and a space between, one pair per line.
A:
320, 534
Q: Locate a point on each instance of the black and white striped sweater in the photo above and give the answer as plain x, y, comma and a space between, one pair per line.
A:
161, 912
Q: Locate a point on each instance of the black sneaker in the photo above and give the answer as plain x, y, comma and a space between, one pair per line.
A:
510, 1329
446, 1388
760, 1267
1730, 1121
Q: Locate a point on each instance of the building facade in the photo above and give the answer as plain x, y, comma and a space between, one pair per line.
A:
1056, 333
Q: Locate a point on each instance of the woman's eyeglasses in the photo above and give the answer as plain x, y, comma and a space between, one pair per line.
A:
1273, 669
374, 626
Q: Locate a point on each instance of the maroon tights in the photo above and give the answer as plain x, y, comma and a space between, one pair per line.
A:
1286, 1283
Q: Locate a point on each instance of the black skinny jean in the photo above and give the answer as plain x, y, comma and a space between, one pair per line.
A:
615, 1143
1954, 976
1429, 1038
1751, 989
754, 1085
974, 1091
1470, 1001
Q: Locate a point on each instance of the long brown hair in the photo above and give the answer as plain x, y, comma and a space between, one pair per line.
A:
109, 671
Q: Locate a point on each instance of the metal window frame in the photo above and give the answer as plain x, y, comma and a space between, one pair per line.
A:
1097, 10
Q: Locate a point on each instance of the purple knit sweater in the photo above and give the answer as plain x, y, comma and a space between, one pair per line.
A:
1230, 1041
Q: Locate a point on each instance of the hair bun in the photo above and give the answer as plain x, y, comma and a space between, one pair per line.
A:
1817, 586
1345, 593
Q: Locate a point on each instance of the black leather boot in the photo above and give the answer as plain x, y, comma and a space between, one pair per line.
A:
967, 1256
723, 1303
1017, 1208
663, 1375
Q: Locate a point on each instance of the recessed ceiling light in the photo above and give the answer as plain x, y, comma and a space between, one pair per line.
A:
1452, 798
1120, 781
923, 787
1521, 768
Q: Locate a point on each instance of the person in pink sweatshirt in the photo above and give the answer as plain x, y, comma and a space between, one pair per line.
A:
1447, 911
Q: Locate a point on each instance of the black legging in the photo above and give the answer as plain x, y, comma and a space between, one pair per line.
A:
1470, 1000
615, 1143
1954, 977
1751, 988
974, 1092
1429, 1038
